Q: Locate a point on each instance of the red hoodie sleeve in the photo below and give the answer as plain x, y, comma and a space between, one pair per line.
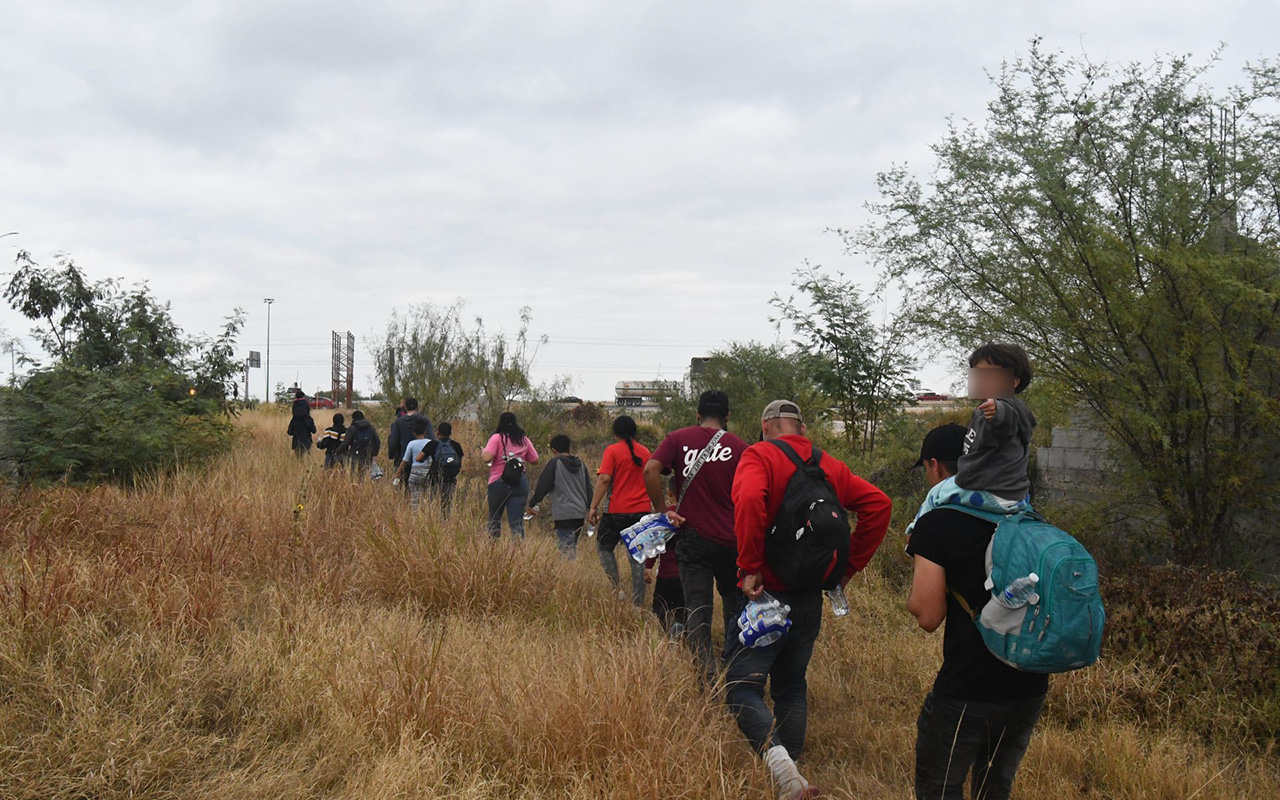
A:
750, 509
873, 508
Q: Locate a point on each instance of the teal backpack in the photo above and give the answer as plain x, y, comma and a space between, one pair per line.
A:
1060, 632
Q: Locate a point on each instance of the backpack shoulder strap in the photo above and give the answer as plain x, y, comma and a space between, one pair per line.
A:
787, 450
790, 453
964, 604
991, 516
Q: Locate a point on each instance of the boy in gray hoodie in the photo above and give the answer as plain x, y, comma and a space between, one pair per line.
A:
567, 481
992, 474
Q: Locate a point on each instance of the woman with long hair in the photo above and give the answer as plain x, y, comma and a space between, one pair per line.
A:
507, 453
621, 476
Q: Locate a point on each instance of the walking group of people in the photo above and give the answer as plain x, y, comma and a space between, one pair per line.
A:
423, 459
750, 520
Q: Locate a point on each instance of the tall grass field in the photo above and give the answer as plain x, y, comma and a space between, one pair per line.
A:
262, 628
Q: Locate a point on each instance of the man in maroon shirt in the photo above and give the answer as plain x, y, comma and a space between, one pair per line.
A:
705, 547
758, 490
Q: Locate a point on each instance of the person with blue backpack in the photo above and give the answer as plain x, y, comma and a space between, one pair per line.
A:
1020, 601
445, 456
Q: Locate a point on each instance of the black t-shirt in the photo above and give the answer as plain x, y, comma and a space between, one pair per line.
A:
957, 542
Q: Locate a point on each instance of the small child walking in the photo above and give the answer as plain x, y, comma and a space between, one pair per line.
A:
416, 463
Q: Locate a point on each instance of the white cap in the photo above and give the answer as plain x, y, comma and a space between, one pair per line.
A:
1034, 578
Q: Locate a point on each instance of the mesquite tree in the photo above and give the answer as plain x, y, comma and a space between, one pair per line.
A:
1123, 224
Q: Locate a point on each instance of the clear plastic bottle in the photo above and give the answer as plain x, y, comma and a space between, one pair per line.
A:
1020, 592
839, 603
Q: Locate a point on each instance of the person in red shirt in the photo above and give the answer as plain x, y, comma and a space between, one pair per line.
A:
621, 475
706, 548
758, 490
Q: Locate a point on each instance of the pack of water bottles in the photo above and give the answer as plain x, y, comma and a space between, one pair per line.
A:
648, 538
763, 621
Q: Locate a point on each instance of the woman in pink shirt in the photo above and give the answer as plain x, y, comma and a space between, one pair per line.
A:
507, 453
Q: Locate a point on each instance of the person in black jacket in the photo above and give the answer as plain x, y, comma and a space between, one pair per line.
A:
301, 427
361, 444
331, 439
402, 433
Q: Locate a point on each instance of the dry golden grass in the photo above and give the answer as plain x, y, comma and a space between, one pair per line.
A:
265, 629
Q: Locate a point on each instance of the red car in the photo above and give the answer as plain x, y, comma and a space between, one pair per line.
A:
321, 402
926, 396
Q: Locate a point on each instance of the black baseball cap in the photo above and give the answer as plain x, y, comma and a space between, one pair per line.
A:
945, 443
713, 403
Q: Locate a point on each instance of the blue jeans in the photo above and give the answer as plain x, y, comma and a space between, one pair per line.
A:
954, 736
608, 536
567, 532
512, 499
784, 664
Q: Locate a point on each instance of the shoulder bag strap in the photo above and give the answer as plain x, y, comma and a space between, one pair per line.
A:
697, 465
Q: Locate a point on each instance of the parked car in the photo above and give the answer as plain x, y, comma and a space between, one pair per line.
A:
571, 400
934, 396
321, 402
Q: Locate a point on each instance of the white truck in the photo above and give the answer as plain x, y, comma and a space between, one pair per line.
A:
637, 393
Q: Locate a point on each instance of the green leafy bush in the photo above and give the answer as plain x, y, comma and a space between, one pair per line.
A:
123, 390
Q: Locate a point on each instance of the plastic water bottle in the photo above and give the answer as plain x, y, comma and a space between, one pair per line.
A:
648, 538
763, 621
1020, 592
839, 603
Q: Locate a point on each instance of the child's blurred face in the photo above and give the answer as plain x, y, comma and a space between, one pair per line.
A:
986, 380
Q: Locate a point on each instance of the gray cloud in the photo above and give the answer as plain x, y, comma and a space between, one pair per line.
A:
629, 170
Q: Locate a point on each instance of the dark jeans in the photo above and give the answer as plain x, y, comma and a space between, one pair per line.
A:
607, 538
445, 487
567, 533
512, 499
784, 664
705, 565
668, 602
953, 736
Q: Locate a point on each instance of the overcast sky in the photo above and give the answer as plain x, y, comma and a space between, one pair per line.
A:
644, 175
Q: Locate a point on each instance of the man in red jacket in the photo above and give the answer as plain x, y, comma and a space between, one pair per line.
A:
758, 490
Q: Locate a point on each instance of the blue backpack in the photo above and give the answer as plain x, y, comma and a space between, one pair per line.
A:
446, 460
1063, 630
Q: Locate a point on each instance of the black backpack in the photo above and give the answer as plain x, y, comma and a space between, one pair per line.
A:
808, 545
513, 468
361, 440
446, 459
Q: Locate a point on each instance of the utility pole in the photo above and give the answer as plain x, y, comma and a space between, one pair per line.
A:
268, 301
351, 364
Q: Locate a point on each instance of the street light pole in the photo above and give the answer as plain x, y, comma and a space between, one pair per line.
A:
268, 301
